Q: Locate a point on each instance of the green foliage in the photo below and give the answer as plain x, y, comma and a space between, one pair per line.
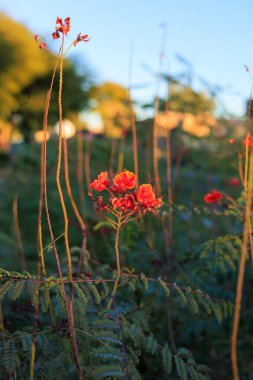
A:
25, 76
21, 62
195, 296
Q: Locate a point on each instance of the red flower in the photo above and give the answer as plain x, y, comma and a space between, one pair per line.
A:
79, 38
101, 206
67, 20
213, 197
56, 35
101, 183
62, 27
41, 41
58, 20
248, 141
127, 203
231, 141
124, 181
234, 181
145, 195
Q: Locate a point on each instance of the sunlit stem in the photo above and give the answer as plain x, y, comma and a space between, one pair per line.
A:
66, 51
117, 262
246, 232
71, 321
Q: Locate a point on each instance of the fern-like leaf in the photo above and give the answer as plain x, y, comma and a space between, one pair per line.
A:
167, 360
181, 368
165, 287
81, 294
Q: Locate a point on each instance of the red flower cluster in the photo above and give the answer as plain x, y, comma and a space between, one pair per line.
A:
213, 197
41, 41
101, 183
248, 141
138, 201
124, 204
79, 38
146, 197
123, 181
61, 27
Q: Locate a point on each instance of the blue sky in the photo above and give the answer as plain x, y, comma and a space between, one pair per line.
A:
215, 36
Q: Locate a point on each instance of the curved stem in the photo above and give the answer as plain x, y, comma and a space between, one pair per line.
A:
117, 262
73, 203
247, 229
20, 246
66, 230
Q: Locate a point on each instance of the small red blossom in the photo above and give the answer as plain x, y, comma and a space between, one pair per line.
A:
124, 181
231, 141
58, 20
79, 38
248, 141
41, 41
101, 206
61, 27
127, 203
101, 182
145, 195
56, 35
234, 182
213, 197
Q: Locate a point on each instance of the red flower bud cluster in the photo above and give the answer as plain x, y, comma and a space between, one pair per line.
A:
61, 27
41, 41
101, 183
122, 199
79, 38
213, 197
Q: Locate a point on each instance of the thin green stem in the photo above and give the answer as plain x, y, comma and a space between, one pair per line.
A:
117, 254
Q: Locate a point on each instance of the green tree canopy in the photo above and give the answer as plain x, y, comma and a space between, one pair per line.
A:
112, 102
185, 99
31, 100
20, 62
25, 76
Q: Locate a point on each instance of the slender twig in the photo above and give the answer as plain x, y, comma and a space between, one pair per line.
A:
66, 230
121, 153
80, 169
20, 246
87, 164
133, 124
112, 156
35, 324
155, 126
117, 262
74, 206
247, 232
240, 280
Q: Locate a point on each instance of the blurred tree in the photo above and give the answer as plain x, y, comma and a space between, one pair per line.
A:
20, 62
25, 76
111, 100
185, 99
31, 100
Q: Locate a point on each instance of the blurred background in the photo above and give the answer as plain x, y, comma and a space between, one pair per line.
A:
198, 51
